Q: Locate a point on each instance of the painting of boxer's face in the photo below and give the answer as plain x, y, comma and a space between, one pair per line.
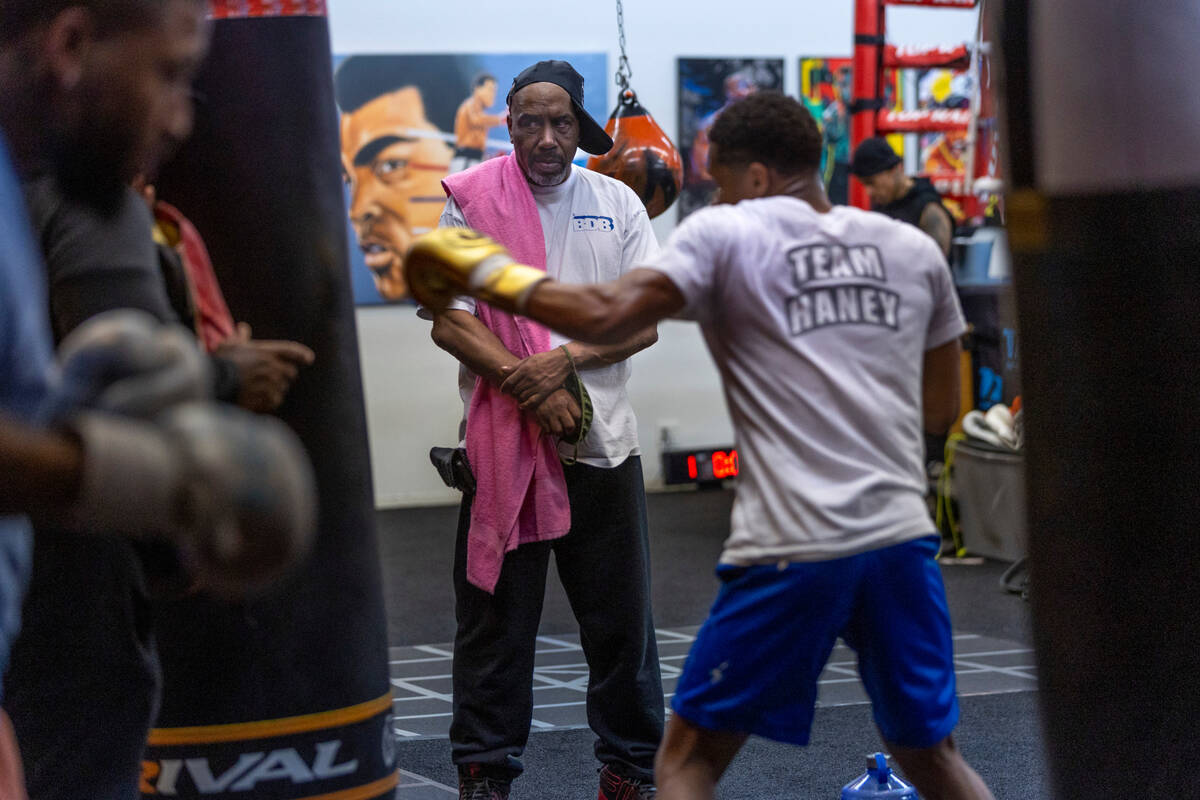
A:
394, 163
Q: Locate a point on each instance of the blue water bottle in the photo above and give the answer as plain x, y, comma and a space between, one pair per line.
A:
878, 782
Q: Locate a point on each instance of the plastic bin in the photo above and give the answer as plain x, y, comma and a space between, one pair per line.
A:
989, 486
982, 257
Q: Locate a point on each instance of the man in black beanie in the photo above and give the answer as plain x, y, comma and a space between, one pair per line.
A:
900, 196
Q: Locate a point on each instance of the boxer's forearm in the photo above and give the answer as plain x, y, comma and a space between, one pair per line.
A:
940, 387
451, 261
39, 470
594, 356
610, 313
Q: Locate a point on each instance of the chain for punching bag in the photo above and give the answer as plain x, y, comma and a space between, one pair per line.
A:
642, 157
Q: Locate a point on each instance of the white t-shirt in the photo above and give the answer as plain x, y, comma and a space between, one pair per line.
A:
596, 229
818, 324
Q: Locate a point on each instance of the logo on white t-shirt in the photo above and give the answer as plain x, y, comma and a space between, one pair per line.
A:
839, 285
592, 222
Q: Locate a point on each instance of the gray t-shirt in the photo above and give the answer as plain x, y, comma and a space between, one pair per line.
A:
596, 230
818, 324
98, 262
94, 262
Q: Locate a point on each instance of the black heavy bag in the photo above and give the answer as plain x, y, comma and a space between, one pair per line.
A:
285, 695
642, 156
1103, 212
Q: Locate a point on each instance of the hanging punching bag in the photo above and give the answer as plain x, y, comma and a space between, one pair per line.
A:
642, 156
284, 695
1102, 211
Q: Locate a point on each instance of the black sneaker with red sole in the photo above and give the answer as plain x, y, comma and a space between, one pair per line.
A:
614, 786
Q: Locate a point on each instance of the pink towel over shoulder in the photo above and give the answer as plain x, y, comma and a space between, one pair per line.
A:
520, 493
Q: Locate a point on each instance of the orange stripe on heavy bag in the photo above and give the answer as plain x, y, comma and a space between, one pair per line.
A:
239, 9
642, 157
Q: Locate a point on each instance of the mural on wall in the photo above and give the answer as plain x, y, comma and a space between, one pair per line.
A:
943, 156
407, 121
943, 88
825, 92
706, 87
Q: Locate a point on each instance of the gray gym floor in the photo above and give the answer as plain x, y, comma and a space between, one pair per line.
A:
999, 731
421, 678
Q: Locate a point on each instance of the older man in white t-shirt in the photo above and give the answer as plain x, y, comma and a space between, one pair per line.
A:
593, 228
836, 333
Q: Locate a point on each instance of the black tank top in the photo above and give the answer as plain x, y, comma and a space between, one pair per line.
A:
909, 207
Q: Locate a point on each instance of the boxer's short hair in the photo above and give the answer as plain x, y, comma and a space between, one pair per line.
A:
770, 128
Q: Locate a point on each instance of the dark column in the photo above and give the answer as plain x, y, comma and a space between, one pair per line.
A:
287, 695
1105, 227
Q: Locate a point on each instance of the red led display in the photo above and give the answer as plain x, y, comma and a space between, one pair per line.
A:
706, 465
725, 465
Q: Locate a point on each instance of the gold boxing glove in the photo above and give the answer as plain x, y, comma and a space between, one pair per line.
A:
448, 262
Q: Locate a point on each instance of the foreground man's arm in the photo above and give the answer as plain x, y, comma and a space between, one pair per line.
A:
39, 470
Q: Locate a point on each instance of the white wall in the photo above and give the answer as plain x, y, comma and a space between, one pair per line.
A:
412, 402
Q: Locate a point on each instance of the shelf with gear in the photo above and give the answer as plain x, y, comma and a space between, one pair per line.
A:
982, 482
969, 183
969, 180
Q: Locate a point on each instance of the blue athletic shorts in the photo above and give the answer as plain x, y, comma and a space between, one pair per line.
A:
755, 663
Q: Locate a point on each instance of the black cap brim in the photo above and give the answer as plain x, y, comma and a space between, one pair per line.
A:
860, 171
872, 157
592, 138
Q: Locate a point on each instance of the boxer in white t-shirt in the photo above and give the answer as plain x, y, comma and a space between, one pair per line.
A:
836, 333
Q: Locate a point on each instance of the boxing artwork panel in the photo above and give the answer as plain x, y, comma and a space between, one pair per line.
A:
943, 155
946, 156
825, 92
706, 87
407, 121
